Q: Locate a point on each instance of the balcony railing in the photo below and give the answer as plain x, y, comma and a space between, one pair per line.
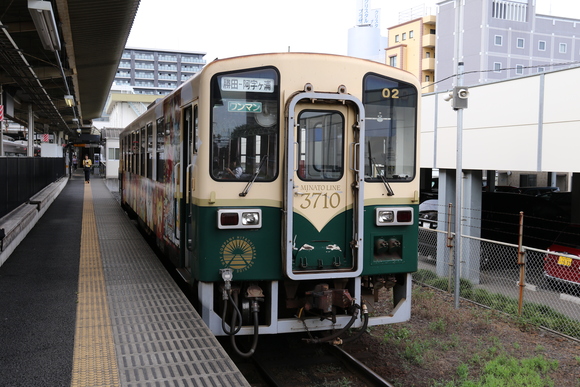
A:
428, 64
429, 40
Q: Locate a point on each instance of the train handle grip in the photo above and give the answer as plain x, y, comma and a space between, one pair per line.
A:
188, 183
176, 196
296, 151
353, 159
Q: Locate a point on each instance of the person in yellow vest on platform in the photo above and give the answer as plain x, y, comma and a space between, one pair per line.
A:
87, 163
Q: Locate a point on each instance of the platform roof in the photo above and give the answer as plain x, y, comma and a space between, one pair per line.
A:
82, 62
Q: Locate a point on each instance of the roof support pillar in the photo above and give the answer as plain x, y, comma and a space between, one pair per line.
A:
30, 151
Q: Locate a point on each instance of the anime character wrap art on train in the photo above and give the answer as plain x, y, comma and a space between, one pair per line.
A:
285, 189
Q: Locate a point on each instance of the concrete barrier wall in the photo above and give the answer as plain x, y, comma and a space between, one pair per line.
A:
18, 223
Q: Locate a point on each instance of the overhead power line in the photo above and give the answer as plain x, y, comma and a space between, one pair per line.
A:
505, 69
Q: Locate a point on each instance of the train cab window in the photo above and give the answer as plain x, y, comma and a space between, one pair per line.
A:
321, 144
390, 129
245, 125
150, 150
160, 150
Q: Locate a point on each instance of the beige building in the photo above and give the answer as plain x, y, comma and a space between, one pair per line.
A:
412, 48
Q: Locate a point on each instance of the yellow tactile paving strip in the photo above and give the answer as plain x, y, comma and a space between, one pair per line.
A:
94, 360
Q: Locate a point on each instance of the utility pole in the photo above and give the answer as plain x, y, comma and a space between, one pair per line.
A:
459, 155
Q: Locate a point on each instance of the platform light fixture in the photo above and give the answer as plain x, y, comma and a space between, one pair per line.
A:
43, 18
69, 100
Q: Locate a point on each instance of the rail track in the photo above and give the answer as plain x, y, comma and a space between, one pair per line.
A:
359, 368
285, 360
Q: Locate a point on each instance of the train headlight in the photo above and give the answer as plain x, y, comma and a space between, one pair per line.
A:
250, 218
239, 218
394, 216
385, 216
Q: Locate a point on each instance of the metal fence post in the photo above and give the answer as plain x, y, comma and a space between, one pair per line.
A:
450, 245
522, 264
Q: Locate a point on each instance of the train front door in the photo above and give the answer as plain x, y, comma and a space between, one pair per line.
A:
324, 198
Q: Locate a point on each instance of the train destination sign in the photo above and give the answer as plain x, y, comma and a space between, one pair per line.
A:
263, 85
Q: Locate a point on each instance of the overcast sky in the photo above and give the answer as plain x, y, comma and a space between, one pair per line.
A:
225, 28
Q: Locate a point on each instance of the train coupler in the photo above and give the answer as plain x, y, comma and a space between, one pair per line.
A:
254, 291
325, 299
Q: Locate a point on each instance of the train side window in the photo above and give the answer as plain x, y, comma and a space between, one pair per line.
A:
245, 117
160, 150
123, 150
150, 150
142, 151
134, 150
390, 129
195, 129
127, 152
190, 126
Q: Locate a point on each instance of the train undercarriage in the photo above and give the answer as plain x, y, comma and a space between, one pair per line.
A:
334, 310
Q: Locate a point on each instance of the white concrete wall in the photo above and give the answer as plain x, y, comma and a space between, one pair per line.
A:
561, 137
503, 129
121, 115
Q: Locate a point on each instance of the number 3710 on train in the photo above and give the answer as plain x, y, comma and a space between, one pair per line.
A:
284, 188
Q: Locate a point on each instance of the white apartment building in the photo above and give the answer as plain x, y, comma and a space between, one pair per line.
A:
157, 72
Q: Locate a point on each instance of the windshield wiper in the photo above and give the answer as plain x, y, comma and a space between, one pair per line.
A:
384, 180
247, 188
374, 166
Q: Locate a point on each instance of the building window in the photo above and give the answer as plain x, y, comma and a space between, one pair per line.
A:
528, 180
519, 69
542, 45
498, 40
396, 38
404, 36
563, 48
411, 34
497, 67
520, 43
113, 154
541, 69
393, 61
428, 54
427, 78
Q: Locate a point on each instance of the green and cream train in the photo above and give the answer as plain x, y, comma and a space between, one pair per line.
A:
285, 190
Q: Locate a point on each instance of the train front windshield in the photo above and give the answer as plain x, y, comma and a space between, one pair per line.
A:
245, 125
391, 122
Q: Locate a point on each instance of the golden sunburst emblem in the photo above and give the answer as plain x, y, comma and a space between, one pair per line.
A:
238, 253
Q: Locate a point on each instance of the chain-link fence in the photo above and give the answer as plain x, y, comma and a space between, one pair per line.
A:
539, 286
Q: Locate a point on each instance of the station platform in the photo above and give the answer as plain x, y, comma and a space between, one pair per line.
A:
84, 301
